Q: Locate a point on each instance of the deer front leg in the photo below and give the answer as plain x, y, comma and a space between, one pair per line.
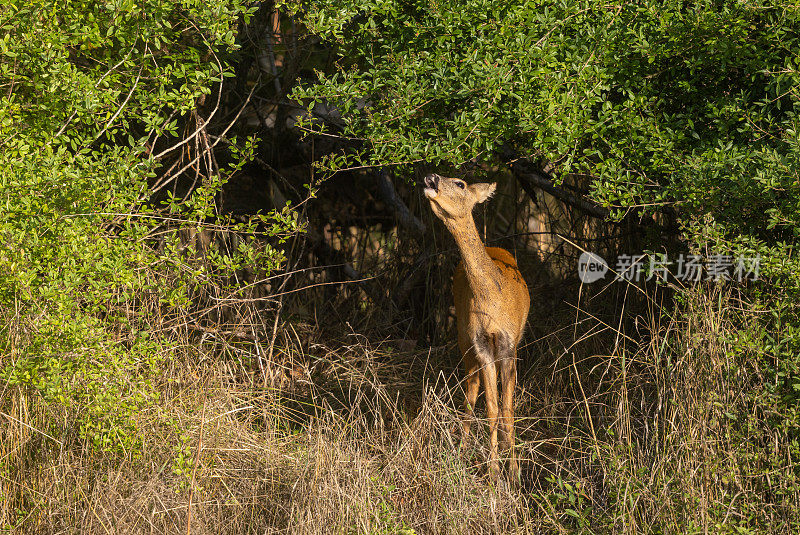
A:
472, 385
489, 374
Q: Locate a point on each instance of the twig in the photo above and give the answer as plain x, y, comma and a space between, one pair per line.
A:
165, 180
32, 428
211, 115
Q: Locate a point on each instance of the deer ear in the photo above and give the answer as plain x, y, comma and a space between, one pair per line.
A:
483, 190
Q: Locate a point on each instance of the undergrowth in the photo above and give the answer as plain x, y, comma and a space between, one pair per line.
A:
670, 433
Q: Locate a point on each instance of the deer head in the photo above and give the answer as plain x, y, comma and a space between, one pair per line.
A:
453, 199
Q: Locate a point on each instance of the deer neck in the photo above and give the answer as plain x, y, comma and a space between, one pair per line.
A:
482, 273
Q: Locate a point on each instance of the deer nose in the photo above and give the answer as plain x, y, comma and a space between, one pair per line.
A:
432, 181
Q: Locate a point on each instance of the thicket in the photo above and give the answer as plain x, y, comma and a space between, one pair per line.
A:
122, 127
94, 277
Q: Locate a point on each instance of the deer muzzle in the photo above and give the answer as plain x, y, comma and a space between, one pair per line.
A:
431, 185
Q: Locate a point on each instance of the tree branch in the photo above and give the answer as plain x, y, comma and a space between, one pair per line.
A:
406, 219
529, 178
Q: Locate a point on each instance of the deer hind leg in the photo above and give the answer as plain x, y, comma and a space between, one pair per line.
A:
508, 378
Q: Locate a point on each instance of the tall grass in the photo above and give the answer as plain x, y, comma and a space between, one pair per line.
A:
356, 435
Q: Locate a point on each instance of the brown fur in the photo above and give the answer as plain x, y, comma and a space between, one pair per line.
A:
492, 302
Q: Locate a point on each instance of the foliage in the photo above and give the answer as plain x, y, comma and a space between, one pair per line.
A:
661, 104
89, 92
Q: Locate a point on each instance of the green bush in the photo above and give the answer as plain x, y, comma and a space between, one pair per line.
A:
89, 91
662, 105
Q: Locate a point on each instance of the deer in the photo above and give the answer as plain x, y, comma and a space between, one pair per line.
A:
491, 303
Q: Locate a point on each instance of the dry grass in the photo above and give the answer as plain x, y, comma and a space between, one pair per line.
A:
336, 452
356, 436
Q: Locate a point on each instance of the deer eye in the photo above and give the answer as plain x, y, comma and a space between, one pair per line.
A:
460, 184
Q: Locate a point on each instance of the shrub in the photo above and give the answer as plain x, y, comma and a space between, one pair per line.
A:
91, 92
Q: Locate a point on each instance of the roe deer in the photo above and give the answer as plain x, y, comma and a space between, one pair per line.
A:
491, 301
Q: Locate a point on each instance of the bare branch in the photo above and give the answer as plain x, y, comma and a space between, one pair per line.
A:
529, 178
406, 219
